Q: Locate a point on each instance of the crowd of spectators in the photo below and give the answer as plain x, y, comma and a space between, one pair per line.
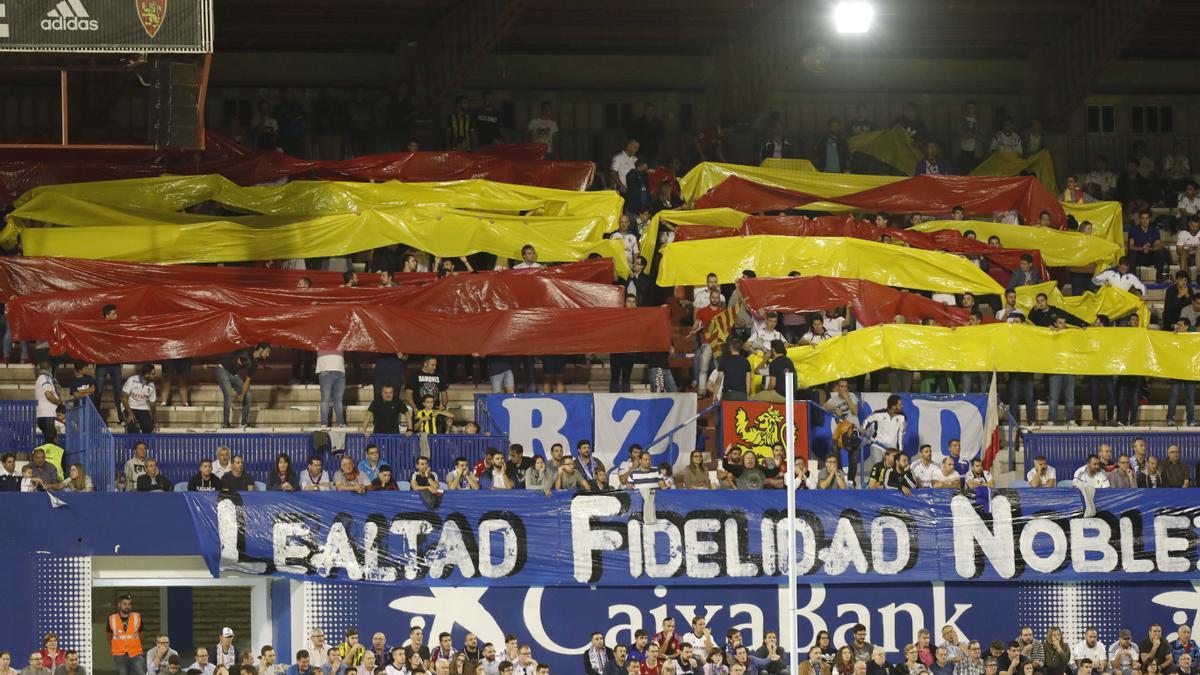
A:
694, 651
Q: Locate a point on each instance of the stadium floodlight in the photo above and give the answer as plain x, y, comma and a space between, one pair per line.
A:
853, 16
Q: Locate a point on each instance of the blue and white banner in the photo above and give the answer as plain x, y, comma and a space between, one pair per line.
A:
936, 419
523, 538
557, 622
625, 419
612, 422
538, 421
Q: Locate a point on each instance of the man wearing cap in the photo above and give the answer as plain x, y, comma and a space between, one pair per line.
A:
225, 654
1123, 654
318, 655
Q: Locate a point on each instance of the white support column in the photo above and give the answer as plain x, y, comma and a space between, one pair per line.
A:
790, 481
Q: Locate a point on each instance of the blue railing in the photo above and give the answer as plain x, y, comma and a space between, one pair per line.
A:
90, 443
18, 426
179, 455
1066, 452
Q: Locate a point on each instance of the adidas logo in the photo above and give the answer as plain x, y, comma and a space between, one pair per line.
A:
69, 15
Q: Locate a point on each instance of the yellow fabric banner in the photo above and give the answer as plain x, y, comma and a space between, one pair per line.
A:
121, 234
1106, 218
1110, 301
1003, 348
793, 165
893, 147
719, 217
1059, 248
159, 197
689, 262
707, 175
318, 197
1039, 164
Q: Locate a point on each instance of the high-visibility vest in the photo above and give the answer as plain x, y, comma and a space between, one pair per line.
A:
126, 636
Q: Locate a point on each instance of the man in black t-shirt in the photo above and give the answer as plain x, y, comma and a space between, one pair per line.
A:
427, 383
238, 479
84, 384
386, 413
233, 384
487, 122
776, 389
735, 372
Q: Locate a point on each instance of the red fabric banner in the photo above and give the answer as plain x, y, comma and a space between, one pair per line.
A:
979, 196
22, 170
32, 275
457, 294
366, 329
871, 303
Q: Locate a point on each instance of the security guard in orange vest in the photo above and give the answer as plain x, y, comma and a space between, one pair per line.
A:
125, 633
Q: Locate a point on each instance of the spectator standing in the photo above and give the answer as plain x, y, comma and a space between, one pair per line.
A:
970, 138
460, 127
428, 383
780, 366
139, 396
234, 384
910, 121
331, 374
1033, 140
489, 127
861, 124
385, 412
124, 628
226, 655
1007, 139
45, 391
709, 144
779, 147
831, 154
543, 128
622, 163
1145, 245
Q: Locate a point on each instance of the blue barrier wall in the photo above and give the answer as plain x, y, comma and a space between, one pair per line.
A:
1066, 452
179, 455
89, 442
18, 421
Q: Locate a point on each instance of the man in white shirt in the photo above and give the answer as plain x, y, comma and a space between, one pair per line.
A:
885, 429
1187, 242
834, 324
202, 663
1090, 647
978, 476
45, 392
948, 476
542, 129
1100, 179
528, 259
816, 333
139, 396
1189, 203
1121, 278
1007, 139
700, 296
701, 636
627, 238
622, 163
1091, 474
224, 462
924, 470
318, 653
315, 478
1042, 474
765, 333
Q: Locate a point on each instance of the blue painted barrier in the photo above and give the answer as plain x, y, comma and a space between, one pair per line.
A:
1066, 452
18, 422
179, 455
89, 442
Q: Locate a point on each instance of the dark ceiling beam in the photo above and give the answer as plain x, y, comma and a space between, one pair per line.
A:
458, 42
1064, 71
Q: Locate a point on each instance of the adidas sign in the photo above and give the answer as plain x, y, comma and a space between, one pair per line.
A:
69, 15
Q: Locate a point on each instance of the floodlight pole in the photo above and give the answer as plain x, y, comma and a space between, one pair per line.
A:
790, 445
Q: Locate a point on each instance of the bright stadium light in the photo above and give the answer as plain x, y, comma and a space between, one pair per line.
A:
853, 16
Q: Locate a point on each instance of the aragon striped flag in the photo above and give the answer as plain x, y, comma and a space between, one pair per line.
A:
718, 329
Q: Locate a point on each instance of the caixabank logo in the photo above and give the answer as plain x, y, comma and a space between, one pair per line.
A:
69, 15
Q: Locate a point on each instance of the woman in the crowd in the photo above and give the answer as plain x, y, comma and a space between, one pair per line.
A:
78, 480
283, 478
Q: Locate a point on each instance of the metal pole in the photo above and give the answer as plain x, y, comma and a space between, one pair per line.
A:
790, 445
